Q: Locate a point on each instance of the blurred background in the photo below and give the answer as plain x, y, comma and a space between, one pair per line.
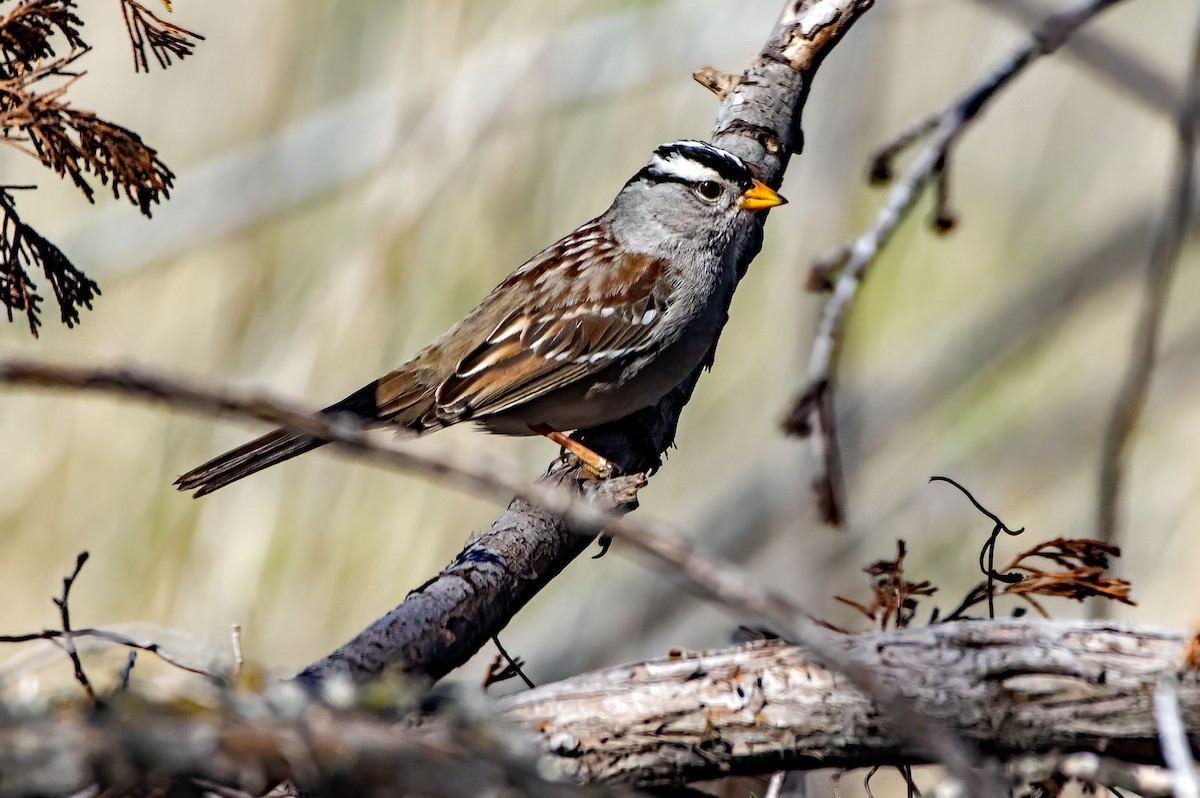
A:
353, 177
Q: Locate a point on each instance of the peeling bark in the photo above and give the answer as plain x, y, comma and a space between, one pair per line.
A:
1012, 687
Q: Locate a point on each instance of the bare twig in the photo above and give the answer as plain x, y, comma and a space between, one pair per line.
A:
812, 412
732, 586
66, 640
514, 665
1173, 737
235, 640
1131, 396
988, 552
343, 433
1141, 80
119, 639
126, 672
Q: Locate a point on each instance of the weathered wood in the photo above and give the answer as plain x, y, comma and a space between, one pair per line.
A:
1012, 687
441, 624
1016, 688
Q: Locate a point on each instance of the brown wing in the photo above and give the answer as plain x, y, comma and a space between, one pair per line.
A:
585, 324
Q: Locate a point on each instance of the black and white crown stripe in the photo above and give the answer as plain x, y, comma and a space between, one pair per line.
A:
694, 162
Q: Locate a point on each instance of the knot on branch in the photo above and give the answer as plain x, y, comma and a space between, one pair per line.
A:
718, 82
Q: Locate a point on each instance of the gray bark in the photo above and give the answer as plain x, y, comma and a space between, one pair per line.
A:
1017, 688
1012, 687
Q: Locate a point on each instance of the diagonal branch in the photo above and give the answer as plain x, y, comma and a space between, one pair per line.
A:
1131, 396
418, 628
1139, 79
812, 414
758, 120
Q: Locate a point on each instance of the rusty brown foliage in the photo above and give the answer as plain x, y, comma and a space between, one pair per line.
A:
23, 250
893, 597
164, 39
26, 32
1075, 569
76, 143
40, 43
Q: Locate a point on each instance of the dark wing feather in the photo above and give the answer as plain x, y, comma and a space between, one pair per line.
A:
596, 304
534, 352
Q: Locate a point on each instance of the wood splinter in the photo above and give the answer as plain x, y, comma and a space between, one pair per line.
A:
718, 82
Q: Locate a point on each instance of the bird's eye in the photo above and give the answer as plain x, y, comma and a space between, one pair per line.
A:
709, 190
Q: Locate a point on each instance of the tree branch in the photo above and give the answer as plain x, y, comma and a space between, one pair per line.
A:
1032, 692
759, 119
1140, 80
1011, 687
812, 415
1131, 396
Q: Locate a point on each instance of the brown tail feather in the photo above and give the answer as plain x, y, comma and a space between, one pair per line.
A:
280, 445
260, 453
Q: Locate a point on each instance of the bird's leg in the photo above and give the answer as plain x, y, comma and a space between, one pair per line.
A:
600, 466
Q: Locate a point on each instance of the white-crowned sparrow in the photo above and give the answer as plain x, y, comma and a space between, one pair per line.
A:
597, 326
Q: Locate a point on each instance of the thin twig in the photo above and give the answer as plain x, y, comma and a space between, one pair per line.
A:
55, 636
235, 640
344, 433
66, 639
1141, 80
813, 408
126, 672
515, 664
736, 588
988, 551
1173, 737
1164, 256
775, 788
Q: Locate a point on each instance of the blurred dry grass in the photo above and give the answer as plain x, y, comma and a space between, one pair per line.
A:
328, 287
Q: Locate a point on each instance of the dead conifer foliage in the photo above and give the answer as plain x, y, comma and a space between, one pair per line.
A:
41, 43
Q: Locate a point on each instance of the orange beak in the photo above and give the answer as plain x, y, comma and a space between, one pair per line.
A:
759, 197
